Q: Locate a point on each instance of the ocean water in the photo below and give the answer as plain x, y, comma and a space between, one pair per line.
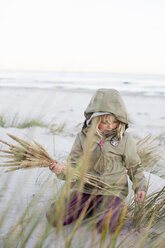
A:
132, 83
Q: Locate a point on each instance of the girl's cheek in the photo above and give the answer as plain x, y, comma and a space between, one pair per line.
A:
115, 125
100, 127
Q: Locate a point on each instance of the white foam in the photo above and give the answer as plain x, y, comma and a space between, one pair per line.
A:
140, 83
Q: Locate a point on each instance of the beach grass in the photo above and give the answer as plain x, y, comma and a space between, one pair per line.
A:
149, 151
17, 122
30, 228
55, 129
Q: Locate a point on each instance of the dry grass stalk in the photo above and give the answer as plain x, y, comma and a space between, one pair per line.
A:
32, 155
153, 205
149, 151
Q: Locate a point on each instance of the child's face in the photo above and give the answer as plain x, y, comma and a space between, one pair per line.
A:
108, 124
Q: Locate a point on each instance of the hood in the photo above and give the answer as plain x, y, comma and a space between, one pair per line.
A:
107, 100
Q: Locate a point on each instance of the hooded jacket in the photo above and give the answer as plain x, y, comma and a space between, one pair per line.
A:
107, 100
113, 161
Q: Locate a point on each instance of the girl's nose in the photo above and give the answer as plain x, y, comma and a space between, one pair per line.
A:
109, 125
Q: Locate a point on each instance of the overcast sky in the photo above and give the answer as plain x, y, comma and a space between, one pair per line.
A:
83, 35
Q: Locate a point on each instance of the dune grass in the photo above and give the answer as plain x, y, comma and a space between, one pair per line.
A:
149, 151
54, 128
18, 122
30, 229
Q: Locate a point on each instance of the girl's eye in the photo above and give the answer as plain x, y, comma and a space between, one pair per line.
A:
106, 122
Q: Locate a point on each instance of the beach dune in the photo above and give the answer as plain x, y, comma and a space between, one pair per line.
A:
62, 112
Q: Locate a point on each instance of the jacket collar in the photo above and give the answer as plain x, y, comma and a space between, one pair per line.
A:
111, 133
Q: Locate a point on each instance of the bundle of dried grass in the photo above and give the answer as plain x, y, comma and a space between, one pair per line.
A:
30, 155
27, 155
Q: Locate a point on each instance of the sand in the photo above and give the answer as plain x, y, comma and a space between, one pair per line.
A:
59, 107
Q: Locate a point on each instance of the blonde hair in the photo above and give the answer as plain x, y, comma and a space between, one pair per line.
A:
108, 118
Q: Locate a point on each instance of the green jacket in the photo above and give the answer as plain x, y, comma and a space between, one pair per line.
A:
109, 163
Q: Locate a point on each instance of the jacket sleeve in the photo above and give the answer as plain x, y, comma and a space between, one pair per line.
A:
76, 151
134, 166
74, 155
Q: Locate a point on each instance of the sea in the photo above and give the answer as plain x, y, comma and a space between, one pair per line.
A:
146, 84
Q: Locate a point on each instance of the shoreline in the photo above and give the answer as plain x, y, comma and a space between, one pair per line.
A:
81, 90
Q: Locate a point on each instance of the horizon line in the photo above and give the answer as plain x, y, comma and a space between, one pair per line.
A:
62, 71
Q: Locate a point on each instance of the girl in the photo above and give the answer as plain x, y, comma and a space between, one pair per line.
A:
112, 155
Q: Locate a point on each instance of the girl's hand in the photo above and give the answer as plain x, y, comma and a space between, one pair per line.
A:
140, 196
56, 167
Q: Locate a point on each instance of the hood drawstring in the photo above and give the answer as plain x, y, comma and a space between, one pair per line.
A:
101, 143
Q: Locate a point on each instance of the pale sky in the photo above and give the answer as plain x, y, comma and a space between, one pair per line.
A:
83, 35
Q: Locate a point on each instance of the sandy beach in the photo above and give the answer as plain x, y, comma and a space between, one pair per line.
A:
64, 109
